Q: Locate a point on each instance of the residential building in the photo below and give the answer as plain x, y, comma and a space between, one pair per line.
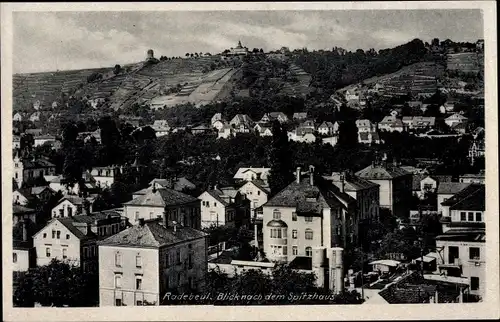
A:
26, 169
88, 136
161, 127
179, 207
106, 176
302, 135
299, 116
18, 117
308, 213
419, 122
240, 50
460, 127
34, 132
240, 119
218, 208
365, 125
35, 117
250, 174
336, 127
447, 107
200, 129
23, 196
332, 140
217, 121
22, 213
395, 186
462, 246
455, 119
176, 183
446, 190
257, 192
143, 263
274, 116
226, 132
391, 123
71, 205
369, 138
73, 239
42, 139
16, 142
473, 178
326, 128
424, 184
23, 253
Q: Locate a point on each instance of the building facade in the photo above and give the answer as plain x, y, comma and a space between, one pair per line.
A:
142, 264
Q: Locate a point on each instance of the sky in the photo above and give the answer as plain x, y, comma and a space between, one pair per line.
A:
49, 41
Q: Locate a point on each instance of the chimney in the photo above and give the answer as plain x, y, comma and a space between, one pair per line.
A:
164, 219
154, 187
215, 187
89, 228
311, 175
436, 297
297, 175
342, 182
175, 226
141, 222
24, 225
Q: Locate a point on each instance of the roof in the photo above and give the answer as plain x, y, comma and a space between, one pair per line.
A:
277, 223
456, 116
19, 210
162, 197
241, 171
69, 222
449, 188
304, 197
471, 198
299, 115
301, 262
363, 123
380, 172
261, 185
241, 118
153, 234
217, 194
387, 262
75, 200
37, 163
465, 234
325, 125
351, 182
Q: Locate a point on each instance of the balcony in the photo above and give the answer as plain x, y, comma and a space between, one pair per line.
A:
456, 264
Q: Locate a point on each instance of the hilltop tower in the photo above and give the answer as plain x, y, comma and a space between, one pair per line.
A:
150, 54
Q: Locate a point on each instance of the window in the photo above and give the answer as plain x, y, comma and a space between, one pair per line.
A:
16, 165
479, 216
470, 216
258, 192
309, 218
462, 216
294, 234
295, 250
427, 186
67, 236
14, 257
151, 215
309, 234
64, 253
276, 233
118, 302
474, 283
285, 250
70, 212
308, 251
118, 281
139, 303
190, 261
178, 256
61, 212
53, 234
276, 215
215, 204
44, 235
138, 282
138, 261
118, 259
136, 215
294, 216
474, 253
167, 259
58, 234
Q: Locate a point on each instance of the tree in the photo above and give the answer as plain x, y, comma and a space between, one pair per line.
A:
56, 284
281, 173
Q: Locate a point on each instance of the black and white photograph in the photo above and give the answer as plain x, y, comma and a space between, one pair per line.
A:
249, 157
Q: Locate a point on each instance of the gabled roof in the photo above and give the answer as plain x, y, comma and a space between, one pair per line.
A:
241, 171
326, 125
20, 210
304, 197
380, 172
471, 198
456, 116
69, 222
217, 195
152, 235
162, 197
451, 187
261, 185
242, 118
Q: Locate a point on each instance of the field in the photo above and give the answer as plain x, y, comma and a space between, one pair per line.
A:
465, 62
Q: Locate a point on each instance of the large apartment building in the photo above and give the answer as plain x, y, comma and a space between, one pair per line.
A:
143, 263
308, 213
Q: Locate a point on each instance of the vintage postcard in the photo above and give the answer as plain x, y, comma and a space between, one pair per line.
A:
248, 161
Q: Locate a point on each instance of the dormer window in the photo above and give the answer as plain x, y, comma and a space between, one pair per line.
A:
276, 214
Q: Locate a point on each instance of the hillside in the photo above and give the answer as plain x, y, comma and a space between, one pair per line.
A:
167, 83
